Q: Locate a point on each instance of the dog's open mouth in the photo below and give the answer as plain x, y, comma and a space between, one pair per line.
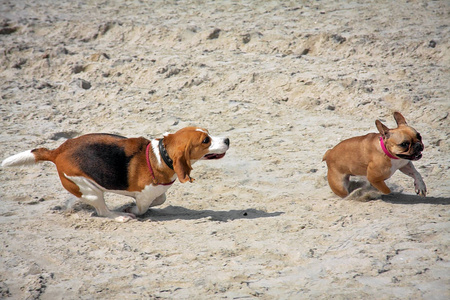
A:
213, 156
415, 156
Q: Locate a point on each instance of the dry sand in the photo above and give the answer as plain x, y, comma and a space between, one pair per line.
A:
285, 82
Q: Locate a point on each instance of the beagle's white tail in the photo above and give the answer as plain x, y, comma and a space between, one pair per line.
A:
29, 157
23, 158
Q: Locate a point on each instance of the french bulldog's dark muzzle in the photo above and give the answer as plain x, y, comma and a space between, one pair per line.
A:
417, 149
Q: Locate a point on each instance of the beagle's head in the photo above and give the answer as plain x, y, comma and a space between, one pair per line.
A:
190, 144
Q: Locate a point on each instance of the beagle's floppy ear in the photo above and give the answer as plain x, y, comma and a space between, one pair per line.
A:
182, 165
382, 129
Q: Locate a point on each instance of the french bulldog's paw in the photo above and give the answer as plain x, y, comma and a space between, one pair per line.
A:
420, 188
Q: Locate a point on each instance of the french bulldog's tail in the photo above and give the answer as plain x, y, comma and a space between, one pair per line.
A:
29, 157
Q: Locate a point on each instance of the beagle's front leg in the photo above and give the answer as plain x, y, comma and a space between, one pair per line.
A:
159, 200
143, 202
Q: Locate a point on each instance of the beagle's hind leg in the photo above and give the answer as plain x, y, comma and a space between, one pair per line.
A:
92, 195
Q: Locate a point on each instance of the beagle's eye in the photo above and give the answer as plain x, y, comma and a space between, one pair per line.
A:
206, 140
405, 144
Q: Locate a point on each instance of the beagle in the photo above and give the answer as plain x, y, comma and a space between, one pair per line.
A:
144, 169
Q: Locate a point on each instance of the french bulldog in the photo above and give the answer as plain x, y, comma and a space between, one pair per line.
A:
376, 156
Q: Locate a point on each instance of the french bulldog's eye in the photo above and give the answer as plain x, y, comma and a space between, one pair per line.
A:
206, 140
419, 137
405, 144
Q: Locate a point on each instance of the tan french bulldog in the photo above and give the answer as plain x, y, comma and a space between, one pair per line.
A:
376, 156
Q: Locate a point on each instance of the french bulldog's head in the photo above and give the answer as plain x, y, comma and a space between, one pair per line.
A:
404, 141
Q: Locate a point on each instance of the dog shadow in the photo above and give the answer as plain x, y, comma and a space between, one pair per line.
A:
170, 213
363, 191
399, 198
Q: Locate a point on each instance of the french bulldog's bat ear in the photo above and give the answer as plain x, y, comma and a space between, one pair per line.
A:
399, 118
382, 129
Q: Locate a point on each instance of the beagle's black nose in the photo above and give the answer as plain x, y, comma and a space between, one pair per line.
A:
227, 141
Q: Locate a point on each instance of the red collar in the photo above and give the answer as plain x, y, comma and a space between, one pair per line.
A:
150, 166
386, 150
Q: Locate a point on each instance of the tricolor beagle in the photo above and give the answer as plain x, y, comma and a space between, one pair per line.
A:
92, 164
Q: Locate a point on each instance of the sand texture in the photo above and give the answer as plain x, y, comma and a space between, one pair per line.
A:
285, 81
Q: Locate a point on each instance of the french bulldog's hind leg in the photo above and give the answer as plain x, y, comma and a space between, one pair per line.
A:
338, 182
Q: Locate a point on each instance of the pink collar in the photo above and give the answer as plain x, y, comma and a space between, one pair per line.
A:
386, 150
150, 166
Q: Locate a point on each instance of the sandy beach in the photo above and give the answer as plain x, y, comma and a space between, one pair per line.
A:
285, 81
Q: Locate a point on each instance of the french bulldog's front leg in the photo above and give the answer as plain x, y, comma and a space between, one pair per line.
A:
376, 177
381, 186
419, 185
